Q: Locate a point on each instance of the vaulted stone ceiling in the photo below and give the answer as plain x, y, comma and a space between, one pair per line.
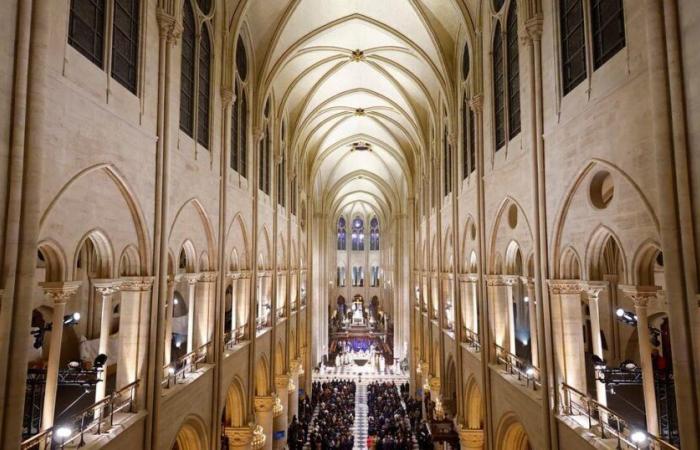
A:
343, 72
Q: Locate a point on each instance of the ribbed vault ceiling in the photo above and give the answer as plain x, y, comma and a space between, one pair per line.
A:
341, 72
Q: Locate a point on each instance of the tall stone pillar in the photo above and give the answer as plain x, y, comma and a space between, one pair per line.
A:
567, 332
474, 302
499, 315
133, 334
169, 320
106, 289
532, 316
264, 417
58, 293
204, 312
191, 307
641, 296
471, 439
593, 290
295, 369
281, 413
510, 282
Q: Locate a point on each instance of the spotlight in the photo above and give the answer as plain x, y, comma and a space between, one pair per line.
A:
620, 312
171, 370
530, 371
526, 299
70, 320
74, 365
175, 302
638, 437
63, 433
100, 361
178, 344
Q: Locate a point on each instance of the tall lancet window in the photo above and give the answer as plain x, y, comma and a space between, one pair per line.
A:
374, 234
342, 245
358, 234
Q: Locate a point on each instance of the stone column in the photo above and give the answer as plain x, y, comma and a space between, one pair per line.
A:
532, 316
499, 318
239, 438
107, 289
133, 334
295, 369
281, 417
191, 305
510, 282
593, 290
474, 305
264, 417
169, 320
206, 288
641, 296
471, 439
58, 293
567, 330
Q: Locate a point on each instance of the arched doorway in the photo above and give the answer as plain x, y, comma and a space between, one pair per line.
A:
511, 434
192, 436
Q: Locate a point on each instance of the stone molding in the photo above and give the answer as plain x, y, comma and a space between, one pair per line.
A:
168, 25
495, 280
640, 295
136, 284
107, 286
208, 276
594, 288
559, 287
60, 291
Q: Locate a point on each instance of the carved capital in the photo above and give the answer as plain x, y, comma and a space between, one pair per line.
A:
263, 404
594, 288
59, 291
136, 284
510, 280
192, 278
477, 103
563, 287
640, 295
238, 436
471, 439
495, 280
282, 382
434, 383
207, 277
295, 367
107, 287
168, 26
533, 26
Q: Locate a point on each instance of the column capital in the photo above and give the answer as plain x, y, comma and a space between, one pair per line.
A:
472, 277
238, 436
208, 276
510, 280
528, 281
640, 295
295, 367
471, 439
495, 280
136, 284
533, 26
564, 286
168, 25
434, 383
282, 381
594, 288
60, 291
191, 278
477, 103
107, 286
263, 403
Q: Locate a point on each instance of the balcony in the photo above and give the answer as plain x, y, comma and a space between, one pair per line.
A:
524, 371
471, 338
234, 337
88, 425
601, 424
185, 368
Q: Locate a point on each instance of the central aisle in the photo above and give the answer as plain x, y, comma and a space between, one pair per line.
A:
359, 429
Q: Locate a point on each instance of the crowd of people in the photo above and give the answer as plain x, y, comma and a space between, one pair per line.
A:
389, 427
331, 427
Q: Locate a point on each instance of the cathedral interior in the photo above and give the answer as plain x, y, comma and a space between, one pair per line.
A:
350, 224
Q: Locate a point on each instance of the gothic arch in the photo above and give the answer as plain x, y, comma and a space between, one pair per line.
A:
192, 435
511, 434
104, 251
208, 230
473, 405
54, 260
234, 407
